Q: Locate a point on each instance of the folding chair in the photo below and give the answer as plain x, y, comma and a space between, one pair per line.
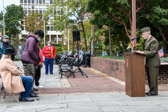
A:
67, 67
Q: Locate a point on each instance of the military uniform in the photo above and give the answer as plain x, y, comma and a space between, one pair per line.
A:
152, 63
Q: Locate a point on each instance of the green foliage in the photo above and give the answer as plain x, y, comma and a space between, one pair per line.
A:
65, 12
164, 59
34, 22
13, 15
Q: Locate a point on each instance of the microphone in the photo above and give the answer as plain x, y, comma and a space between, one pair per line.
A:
133, 38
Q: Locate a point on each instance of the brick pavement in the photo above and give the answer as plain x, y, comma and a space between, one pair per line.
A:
80, 84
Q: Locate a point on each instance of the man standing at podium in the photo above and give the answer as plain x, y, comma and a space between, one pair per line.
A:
152, 60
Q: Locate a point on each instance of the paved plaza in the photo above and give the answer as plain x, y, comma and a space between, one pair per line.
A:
98, 93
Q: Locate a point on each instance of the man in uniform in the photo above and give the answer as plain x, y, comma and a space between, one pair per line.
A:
152, 60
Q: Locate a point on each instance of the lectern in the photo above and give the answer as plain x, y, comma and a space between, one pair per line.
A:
135, 74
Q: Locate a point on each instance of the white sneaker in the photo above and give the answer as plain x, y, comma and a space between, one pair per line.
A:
37, 87
40, 86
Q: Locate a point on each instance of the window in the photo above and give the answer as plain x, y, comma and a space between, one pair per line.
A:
43, 1
32, 7
21, 1
40, 1
25, 1
47, 1
51, 1
32, 1
25, 12
40, 11
29, 1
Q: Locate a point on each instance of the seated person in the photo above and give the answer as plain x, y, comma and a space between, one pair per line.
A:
14, 81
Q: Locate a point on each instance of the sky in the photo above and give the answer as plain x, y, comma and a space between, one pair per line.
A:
8, 2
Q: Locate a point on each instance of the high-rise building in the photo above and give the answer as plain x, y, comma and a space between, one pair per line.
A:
41, 6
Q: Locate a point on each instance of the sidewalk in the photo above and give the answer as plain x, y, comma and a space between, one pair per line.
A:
98, 93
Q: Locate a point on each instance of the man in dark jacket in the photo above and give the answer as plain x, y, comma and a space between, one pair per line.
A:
30, 55
2, 49
6, 45
152, 60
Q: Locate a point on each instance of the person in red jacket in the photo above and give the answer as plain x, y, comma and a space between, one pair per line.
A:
49, 53
38, 70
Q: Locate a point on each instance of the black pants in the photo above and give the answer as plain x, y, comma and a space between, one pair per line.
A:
37, 75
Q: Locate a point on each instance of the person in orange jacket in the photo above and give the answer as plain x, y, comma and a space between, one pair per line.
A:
49, 53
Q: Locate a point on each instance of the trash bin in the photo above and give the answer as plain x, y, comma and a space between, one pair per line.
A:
86, 60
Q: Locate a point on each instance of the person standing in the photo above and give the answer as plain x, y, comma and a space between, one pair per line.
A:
49, 53
6, 45
152, 60
2, 49
30, 56
38, 70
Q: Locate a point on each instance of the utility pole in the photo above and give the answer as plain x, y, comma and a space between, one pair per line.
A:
134, 23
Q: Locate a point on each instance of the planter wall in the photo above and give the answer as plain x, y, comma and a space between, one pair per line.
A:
116, 68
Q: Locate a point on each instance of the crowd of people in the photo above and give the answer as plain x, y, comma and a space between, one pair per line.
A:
26, 83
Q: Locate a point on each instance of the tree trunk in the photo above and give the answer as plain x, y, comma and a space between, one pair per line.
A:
110, 45
93, 30
83, 29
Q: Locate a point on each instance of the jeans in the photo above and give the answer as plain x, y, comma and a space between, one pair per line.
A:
28, 83
47, 62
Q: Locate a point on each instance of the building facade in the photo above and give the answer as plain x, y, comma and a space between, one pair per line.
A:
41, 6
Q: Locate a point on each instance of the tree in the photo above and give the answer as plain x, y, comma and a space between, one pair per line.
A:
118, 10
34, 22
67, 12
14, 14
157, 15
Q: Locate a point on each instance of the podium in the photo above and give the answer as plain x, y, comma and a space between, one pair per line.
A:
135, 74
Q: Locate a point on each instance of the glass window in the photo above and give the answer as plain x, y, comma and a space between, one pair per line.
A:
47, 1
29, 1
25, 6
21, 1
40, 11
32, 1
51, 28
43, 1
48, 28
29, 11
32, 7
40, 1
51, 1
25, 12
25, 1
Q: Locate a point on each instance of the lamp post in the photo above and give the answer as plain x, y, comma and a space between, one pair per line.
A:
44, 31
3, 19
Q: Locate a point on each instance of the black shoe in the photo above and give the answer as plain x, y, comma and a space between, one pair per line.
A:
150, 94
35, 92
26, 99
34, 89
33, 95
